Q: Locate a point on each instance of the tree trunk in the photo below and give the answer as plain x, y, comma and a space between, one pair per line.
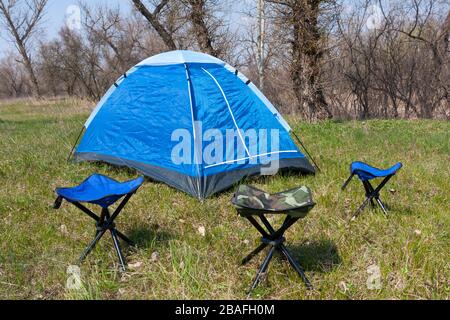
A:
202, 33
260, 40
306, 58
35, 90
152, 18
296, 71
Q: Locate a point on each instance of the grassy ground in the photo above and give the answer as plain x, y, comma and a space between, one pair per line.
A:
173, 260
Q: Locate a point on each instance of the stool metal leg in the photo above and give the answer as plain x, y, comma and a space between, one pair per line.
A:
91, 245
381, 205
374, 193
369, 190
125, 238
117, 247
377, 198
296, 266
262, 269
361, 208
254, 253
274, 239
105, 222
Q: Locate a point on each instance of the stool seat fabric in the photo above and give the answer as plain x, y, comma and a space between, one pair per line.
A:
99, 189
295, 202
367, 172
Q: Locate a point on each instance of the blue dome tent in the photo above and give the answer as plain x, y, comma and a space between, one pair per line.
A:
192, 121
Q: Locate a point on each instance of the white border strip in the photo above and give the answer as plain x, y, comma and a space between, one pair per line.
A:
231, 112
251, 157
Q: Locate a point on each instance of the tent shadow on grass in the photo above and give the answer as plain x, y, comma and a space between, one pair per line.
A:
264, 179
260, 179
319, 256
116, 169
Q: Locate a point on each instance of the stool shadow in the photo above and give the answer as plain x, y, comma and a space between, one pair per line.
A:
393, 209
145, 237
319, 256
283, 172
398, 209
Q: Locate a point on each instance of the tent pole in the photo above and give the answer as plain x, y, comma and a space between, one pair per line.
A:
306, 150
189, 83
74, 145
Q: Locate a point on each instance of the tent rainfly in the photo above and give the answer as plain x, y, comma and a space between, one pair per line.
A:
192, 121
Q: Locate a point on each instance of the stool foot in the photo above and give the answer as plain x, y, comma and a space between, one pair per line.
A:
381, 206
296, 266
262, 269
274, 239
115, 234
361, 208
91, 246
118, 250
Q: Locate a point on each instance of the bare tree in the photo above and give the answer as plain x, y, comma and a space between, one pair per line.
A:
76, 63
199, 14
398, 66
358, 65
189, 24
87, 61
424, 30
12, 78
154, 19
264, 52
301, 21
104, 25
120, 38
21, 19
261, 37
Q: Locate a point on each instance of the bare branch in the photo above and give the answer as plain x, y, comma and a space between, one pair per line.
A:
21, 20
152, 18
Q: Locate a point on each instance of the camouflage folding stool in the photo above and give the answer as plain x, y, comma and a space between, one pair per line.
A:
366, 173
294, 203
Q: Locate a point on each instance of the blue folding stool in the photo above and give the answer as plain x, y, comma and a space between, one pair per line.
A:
366, 173
103, 191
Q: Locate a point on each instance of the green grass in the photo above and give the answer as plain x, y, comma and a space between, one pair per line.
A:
411, 246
